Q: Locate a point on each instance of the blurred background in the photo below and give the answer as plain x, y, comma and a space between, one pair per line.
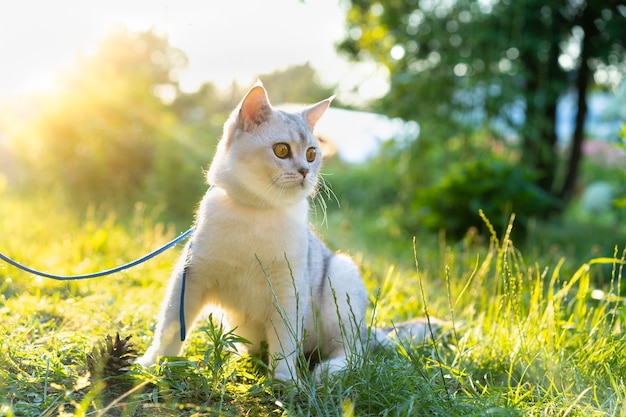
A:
443, 108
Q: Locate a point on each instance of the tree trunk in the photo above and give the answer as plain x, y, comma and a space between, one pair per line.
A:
575, 156
539, 135
582, 85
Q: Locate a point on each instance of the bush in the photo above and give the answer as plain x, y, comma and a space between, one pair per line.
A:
441, 185
496, 186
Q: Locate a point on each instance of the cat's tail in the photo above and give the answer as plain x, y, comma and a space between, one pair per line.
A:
410, 333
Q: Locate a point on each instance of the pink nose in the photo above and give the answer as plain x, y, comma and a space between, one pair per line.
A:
304, 172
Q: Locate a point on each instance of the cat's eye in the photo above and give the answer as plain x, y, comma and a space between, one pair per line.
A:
311, 154
281, 150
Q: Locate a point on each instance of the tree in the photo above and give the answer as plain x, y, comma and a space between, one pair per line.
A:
99, 134
295, 84
456, 65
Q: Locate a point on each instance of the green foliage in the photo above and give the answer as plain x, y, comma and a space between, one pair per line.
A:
98, 135
620, 202
497, 187
294, 85
222, 343
412, 190
530, 338
503, 65
208, 108
533, 336
176, 181
117, 130
417, 187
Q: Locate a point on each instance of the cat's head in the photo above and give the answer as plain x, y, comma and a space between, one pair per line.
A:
268, 157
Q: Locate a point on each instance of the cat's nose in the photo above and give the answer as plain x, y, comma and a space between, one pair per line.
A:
304, 172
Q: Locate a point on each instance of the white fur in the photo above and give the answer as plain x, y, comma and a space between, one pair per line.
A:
254, 255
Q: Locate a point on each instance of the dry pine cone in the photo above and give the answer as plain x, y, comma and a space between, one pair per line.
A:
111, 359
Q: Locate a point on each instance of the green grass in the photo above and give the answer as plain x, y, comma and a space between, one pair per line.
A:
536, 336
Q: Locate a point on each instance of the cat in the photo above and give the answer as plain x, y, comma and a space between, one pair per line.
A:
254, 254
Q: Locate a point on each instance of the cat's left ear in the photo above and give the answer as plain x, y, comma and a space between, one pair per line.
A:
316, 111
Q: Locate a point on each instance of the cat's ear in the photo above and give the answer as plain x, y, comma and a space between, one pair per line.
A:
255, 108
316, 111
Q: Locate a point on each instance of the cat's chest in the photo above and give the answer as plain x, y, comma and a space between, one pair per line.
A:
239, 236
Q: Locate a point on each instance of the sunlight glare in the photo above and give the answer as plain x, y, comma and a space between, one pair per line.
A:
224, 41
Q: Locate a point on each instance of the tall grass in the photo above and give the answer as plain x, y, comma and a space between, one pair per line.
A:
528, 338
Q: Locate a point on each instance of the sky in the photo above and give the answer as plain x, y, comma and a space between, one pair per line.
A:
223, 40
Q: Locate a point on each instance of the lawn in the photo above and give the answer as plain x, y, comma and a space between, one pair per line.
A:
538, 335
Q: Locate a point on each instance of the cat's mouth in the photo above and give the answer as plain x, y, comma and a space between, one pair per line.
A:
294, 185
293, 181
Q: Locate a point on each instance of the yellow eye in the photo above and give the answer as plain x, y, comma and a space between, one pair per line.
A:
281, 150
311, 153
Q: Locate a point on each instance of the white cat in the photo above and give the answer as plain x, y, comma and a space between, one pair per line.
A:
254, 255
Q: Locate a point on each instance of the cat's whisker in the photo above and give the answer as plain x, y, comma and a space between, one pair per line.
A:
327, 189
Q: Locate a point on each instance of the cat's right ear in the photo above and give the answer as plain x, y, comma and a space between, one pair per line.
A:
255, 108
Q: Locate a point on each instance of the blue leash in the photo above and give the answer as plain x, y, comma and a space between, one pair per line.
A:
101, 273
183, 328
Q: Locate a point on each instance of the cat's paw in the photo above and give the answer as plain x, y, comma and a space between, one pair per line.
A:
284, 378
329, 369
147, 360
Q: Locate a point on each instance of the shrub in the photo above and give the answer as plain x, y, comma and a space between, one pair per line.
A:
497, 186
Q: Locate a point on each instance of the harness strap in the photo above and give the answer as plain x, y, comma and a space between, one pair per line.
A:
181, 312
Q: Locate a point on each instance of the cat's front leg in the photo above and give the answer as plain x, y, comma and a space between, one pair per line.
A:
167, 336
283, 331
342, 302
